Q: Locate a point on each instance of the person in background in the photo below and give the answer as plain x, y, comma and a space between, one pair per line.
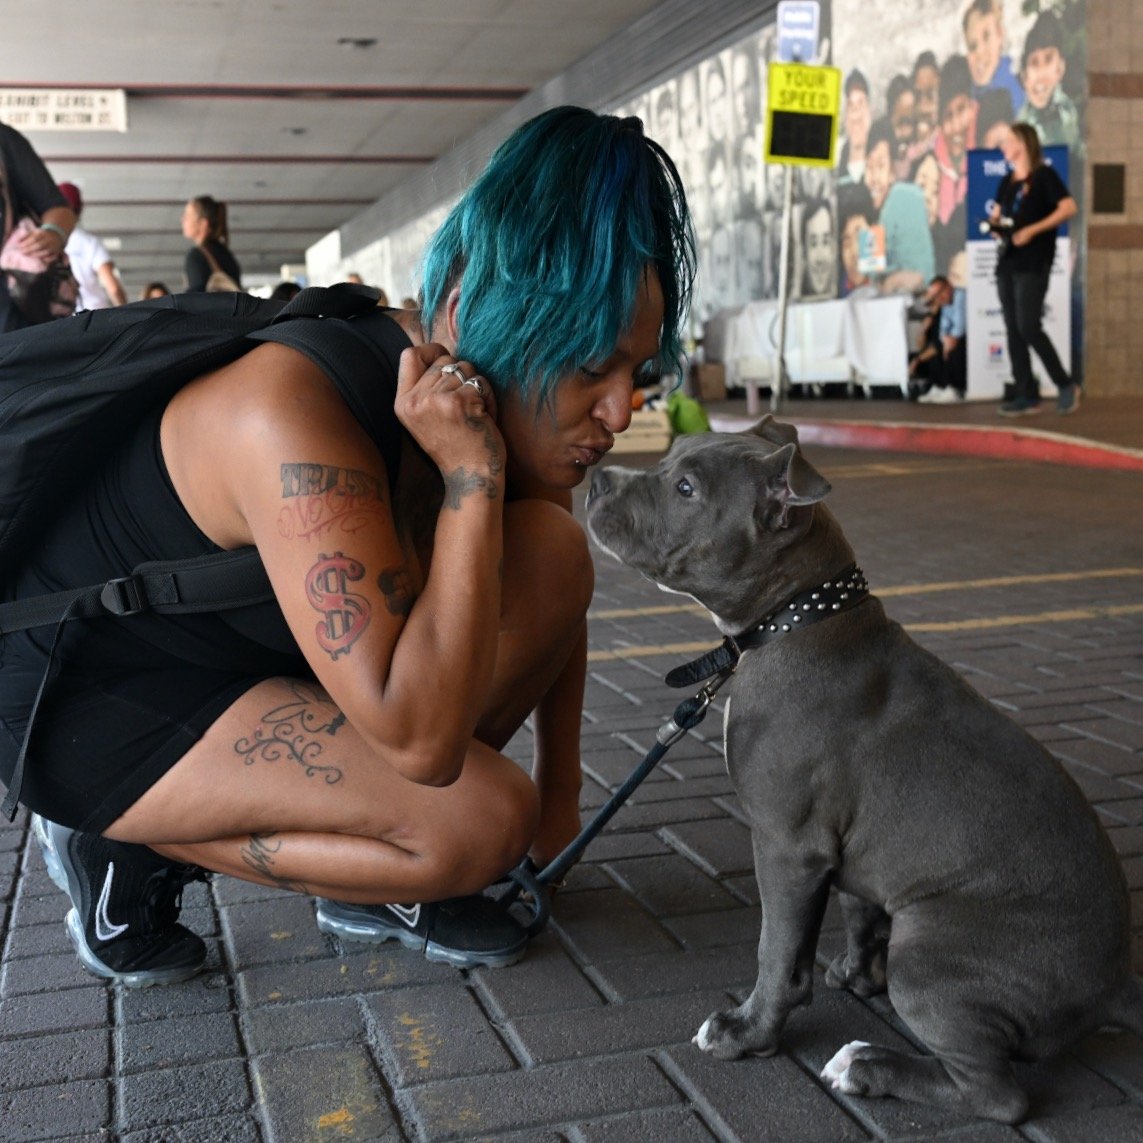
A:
909, 257
926, 86
410, 304
354, 278
99, 283
1036, 200
408, 484
154, 290
991, 69
1048, 107
30, 191
938, 373
285, 291
956, 136
993, 120
205, 224
900, 103
855, 213
857, 117
819, 250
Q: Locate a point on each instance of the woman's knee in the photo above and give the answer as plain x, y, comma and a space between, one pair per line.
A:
500, 818
547, 559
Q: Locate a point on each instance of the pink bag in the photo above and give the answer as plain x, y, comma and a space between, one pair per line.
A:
41, 289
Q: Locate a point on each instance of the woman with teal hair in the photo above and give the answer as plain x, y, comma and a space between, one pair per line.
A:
431, 585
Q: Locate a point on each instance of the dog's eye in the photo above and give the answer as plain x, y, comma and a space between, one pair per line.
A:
685, 487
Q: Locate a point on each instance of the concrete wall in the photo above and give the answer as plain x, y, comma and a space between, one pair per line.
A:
1115, 240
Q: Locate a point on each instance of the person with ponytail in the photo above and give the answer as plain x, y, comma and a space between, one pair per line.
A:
210, 264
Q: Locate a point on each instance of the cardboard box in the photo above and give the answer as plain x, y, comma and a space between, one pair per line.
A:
650, 431
709, 382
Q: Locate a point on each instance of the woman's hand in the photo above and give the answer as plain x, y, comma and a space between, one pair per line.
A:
46, 245
451, 418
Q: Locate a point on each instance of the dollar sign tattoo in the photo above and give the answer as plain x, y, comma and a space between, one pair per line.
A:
344, 614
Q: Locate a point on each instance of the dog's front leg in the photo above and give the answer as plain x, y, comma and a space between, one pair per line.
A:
794, 896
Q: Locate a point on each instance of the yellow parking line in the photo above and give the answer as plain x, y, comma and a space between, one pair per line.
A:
982, 624
893, 592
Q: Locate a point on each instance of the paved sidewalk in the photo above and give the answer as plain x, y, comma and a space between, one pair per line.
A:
1027, 577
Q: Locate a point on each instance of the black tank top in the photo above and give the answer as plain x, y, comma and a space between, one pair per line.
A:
128, 513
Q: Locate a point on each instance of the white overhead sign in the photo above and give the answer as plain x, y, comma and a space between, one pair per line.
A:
55, 109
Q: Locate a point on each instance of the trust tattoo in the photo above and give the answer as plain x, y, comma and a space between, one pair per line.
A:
323, 497
297, 731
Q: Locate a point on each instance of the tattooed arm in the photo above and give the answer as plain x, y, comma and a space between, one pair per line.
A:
278, 460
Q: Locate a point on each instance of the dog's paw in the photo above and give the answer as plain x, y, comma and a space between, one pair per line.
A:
727, 1036
837, 1070
861, 981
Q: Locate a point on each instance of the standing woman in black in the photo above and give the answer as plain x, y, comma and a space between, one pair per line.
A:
204, 224
1031, 204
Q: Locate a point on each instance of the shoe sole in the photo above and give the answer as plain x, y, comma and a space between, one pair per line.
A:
364, 933
145, 978
49, 854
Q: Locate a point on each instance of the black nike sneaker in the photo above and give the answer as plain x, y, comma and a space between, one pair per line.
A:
125, 906
466, 932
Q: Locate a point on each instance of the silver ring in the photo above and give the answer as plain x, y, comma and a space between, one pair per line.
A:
476, 383
455, 369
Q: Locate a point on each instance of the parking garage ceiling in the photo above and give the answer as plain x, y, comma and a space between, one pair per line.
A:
297, 113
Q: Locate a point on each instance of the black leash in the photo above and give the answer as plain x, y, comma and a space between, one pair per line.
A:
713, 669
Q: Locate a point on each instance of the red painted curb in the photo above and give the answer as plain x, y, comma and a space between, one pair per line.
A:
962, 440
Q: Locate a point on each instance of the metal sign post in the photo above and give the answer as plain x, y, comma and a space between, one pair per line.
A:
802, 114
782, 378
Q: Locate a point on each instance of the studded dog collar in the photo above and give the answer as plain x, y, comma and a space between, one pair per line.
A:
807, 607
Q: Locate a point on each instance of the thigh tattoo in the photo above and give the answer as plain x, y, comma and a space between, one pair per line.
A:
297, 731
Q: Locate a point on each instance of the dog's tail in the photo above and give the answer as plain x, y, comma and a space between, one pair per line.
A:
1125, 1009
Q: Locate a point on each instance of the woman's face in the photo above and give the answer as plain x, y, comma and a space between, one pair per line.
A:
717, 106
821, 253
554, 444
928, 178
1015, 152
879, 173
192, 222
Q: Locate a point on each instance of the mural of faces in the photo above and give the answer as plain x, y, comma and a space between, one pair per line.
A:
819, 250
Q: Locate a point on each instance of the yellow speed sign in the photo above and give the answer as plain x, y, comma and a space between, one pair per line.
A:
803, 105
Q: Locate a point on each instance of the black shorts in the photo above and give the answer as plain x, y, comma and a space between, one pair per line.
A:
100, 744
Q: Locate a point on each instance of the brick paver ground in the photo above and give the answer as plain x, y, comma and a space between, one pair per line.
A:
1029, 578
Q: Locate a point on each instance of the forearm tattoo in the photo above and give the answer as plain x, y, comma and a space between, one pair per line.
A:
344, 613
322, 497
461, 483
296, 731
397, 586
259, 853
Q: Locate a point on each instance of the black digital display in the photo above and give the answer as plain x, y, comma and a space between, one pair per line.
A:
797, 135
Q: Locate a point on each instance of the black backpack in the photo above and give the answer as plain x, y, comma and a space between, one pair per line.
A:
70, 389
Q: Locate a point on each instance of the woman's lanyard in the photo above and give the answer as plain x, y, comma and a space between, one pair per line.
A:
1018, 197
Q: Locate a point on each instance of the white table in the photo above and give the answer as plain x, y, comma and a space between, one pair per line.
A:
861, 341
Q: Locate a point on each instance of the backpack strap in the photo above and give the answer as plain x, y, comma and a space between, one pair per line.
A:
215, 582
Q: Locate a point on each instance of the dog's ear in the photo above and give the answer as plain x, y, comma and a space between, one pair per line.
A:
776, 432
788, 481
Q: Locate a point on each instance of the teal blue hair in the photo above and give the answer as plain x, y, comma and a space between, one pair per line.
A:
551, 244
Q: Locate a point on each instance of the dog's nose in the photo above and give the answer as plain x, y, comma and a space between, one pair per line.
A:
600, 485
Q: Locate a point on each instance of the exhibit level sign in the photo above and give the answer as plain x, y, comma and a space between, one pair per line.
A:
989, 366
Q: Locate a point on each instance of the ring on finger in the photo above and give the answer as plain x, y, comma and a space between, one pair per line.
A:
456, 371
476, 382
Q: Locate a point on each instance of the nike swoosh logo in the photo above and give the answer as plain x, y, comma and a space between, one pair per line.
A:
409, 914
104, 929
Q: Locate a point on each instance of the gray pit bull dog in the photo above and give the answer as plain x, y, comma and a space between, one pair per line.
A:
975, 881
